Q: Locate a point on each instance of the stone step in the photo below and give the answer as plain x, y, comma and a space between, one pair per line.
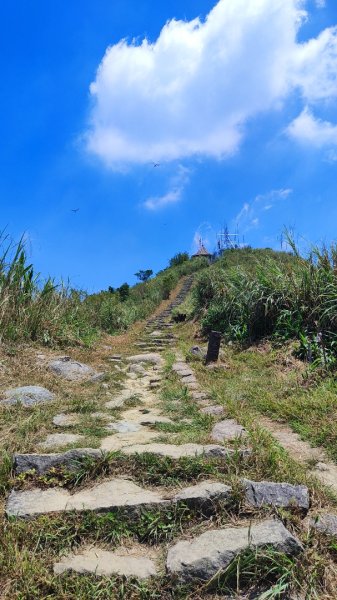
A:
105, 497
125, 562
183, 450
208, 554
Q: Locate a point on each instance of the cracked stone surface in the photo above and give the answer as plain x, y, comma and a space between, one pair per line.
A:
104, 497
104, 563
202, 557
28, 395
227, 430
44, 462
63, 420
276, 494
54, 440
204, 493
325, 524
177, 452
72, 370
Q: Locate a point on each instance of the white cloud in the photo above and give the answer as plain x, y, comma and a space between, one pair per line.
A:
192, 90
249, 216
307, 129
320, 3
157, 202
174, 195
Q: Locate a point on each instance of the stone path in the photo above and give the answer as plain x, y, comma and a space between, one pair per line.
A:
133, 431
323, 468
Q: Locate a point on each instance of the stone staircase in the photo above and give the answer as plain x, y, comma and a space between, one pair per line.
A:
194, 558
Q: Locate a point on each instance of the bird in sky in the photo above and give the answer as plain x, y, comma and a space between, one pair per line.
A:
156, 165
75, 210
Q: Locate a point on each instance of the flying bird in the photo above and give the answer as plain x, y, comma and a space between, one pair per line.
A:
75, 210
156, 165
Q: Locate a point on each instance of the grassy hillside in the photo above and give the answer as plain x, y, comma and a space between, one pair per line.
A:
54, 314
251, 294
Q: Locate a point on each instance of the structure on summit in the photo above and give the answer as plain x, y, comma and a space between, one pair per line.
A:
202, 251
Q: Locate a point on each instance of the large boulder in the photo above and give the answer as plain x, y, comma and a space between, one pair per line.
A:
206, 555
72, 370
28, 395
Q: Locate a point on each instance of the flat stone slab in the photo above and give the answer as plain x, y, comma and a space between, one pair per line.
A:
119, 441
204, 493
150, 357
325, 524
55, 440
71, 370
63, 420
188, 379
42, 463
124, 427
181, 451
206, 555
105, 563
104, 497
28, 395
214, 410
267, 493
227, 430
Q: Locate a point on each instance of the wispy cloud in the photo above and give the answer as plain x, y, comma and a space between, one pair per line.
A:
251, 213
175, 193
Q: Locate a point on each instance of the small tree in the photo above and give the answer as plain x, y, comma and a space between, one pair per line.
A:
124, 291
178, 259
144, 275
168, 282
111, 290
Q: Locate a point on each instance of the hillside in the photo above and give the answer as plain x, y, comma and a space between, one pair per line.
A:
136, 471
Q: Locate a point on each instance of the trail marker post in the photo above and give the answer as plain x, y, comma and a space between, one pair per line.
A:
213, 347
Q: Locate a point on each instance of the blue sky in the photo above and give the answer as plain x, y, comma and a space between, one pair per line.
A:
239, 108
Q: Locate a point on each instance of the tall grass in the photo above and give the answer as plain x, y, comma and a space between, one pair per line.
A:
250, 294
56, 314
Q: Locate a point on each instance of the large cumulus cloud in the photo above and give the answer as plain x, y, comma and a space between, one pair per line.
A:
192, 91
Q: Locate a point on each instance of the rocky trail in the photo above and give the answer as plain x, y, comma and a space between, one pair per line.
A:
140, 427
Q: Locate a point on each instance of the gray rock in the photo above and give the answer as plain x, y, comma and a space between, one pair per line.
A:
204, 494
71, 370
199, 396
55, 440
63, 420
188, 379
42, 463
228, 429
28, 395
124, 427
325, 524
150, 357
206, 555
138, 369
98, 377
266, 493
215, 410
101, 498
197, 351
105, 563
